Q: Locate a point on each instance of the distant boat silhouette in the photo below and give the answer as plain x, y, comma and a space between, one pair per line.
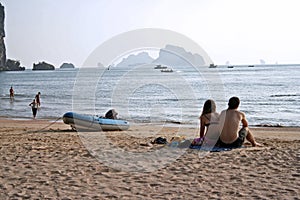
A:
160, 67
212, 66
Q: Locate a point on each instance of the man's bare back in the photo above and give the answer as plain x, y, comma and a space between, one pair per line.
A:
230, 120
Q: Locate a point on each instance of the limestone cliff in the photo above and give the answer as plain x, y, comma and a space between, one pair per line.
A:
67, 66
177, 56
135, 60
43, 66
13, 65
2, 35
6, 65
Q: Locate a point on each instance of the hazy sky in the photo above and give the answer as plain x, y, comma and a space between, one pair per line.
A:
238, 31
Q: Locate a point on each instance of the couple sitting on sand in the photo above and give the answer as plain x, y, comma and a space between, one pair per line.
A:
223, 129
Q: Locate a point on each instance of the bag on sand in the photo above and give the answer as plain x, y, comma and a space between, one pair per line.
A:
160, 140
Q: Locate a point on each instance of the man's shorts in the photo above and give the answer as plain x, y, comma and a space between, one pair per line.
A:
237, 143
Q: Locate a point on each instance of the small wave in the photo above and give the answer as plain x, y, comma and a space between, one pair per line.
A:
167, 100
269, 125
16, 97
173, 122
285, 95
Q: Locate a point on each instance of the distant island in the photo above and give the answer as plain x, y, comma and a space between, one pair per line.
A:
43, 66
169, 56
12, 65
135, 60
67, 66
177, 56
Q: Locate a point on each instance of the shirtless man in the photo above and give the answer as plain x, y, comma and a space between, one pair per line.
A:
230, 119
37, 99
11, 93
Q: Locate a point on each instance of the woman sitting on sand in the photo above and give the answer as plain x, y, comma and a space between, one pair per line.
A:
209, 123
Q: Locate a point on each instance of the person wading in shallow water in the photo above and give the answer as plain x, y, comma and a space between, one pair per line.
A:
34, 107
37, 99
231, 136
11, 93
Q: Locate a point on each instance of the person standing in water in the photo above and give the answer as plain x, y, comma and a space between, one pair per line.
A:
34, 107
38, 99
11, 93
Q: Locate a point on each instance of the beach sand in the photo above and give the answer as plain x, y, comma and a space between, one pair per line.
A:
39, 161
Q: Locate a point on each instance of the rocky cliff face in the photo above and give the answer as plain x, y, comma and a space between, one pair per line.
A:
67, 66
178, 56
135, 60
2, 35
43, 66
6, 65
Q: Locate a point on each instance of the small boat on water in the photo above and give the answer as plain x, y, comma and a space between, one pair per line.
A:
160, 67
212, 66
95, 123
230, 66
167, 70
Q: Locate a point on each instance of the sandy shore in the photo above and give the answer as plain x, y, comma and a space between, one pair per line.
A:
39, 161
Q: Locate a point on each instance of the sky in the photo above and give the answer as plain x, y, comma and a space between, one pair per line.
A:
232, 31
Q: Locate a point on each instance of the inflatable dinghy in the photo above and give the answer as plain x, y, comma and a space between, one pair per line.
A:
89, 122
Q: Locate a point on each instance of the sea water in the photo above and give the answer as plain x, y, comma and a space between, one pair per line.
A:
269, 94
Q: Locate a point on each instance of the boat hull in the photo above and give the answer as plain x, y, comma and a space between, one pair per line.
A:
89, 122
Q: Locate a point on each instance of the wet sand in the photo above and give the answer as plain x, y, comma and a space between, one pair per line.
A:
39, 161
